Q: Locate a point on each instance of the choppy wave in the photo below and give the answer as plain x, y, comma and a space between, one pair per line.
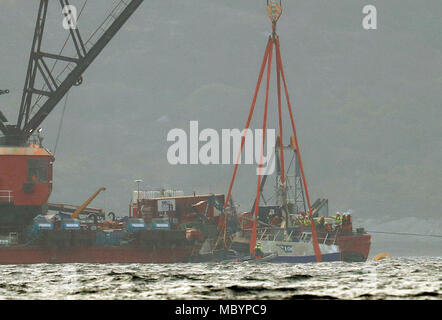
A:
400, 278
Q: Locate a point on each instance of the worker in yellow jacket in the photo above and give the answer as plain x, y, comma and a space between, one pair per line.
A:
338, 219
259, 252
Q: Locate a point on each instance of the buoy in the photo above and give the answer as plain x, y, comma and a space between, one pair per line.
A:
381, 256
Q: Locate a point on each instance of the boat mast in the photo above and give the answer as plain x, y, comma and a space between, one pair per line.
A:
273, 10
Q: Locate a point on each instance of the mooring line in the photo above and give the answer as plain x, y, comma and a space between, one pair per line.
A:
408, 234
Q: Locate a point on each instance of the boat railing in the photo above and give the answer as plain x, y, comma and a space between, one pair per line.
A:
279, 234
34, 139
327, 238
268, 234
282, 234
305, 237
6, 196
336, 236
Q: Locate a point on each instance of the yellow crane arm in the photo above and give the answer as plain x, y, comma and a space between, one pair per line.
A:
84, 205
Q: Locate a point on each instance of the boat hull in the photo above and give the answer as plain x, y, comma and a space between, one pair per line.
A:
105, 254
354, 248
348, 248
329, 257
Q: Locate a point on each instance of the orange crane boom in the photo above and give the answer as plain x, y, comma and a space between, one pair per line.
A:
86, 203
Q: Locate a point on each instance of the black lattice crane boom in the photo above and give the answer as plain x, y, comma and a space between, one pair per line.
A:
32, 113
26, 167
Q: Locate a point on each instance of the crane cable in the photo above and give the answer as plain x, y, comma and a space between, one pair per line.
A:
53, 67
67, 94
61, 122
407, 234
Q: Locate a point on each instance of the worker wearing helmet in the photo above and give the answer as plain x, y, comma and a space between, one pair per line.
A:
321, 221
338, 219
271, 216
259, 252
316, 221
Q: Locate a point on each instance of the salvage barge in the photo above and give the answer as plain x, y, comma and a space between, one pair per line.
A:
164, 229
98, 254
27, 233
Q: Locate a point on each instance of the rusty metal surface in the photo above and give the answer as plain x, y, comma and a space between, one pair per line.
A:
32, 150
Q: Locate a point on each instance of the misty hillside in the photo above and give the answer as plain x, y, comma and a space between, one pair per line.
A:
367, 104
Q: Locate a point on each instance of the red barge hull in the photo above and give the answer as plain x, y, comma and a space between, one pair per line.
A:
108, 254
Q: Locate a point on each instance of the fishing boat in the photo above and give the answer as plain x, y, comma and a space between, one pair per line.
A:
290, 229
338, 240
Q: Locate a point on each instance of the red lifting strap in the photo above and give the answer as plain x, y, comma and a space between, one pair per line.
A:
267, 61
252, 108
264, 127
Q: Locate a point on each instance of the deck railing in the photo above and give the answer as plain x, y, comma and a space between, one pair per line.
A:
6, 196
280, 234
